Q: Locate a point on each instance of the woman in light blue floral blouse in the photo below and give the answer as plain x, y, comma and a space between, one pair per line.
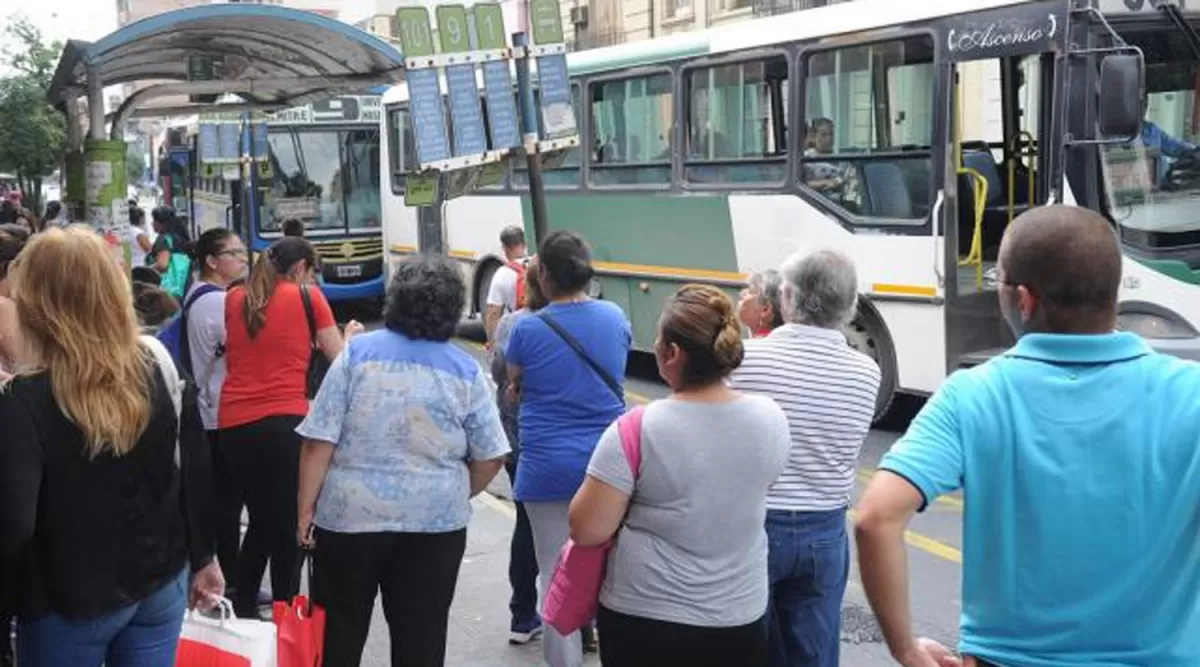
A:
403, 433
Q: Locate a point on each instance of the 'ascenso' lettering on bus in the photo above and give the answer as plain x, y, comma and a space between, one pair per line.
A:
1000, 34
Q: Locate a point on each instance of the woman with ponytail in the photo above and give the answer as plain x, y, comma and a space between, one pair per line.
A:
684, 588
268, 347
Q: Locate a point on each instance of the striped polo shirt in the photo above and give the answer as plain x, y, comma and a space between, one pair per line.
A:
827, 390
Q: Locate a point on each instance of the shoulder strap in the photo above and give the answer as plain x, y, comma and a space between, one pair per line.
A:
578, 348
206, 288
629, 427
309, 315
185, 342
170, 374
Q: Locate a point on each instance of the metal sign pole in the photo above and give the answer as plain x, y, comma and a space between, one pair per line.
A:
529, 131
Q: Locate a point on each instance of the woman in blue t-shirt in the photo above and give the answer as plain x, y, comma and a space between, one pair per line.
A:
567, 366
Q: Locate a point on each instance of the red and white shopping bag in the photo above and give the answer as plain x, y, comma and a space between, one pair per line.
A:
226, 641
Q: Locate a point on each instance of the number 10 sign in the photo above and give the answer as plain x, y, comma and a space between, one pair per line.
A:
466, 39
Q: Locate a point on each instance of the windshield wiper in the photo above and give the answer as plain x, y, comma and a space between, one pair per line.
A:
1170, 8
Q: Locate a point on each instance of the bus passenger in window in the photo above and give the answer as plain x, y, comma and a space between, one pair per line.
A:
824, 177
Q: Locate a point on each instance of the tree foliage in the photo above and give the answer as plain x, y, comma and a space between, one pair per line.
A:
32, 132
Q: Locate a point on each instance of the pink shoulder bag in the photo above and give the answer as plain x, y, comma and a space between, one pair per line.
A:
574, 594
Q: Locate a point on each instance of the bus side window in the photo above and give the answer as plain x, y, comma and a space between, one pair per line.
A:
737, 122
631, 124
866, 146
565, 175
401, 159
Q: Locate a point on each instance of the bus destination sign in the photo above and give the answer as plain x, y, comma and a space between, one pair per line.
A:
338, 110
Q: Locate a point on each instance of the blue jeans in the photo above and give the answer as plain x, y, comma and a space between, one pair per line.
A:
144, 634
808, 563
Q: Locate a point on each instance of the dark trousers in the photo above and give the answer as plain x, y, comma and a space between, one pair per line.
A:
229, 503
632, 641
264, 458
808, 563
522, 561
416, 574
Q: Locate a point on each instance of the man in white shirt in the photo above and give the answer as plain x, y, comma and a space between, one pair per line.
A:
502, 297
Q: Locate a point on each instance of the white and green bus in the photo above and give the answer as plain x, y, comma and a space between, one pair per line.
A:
906, 133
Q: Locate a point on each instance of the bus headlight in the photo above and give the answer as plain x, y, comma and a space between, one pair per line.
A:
1154, 325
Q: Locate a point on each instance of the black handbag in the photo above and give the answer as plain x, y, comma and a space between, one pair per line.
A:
318, 364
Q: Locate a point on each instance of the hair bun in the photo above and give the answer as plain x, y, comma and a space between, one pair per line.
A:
728, 350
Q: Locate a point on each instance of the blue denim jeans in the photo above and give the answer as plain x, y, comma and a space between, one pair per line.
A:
145, 634
808, 562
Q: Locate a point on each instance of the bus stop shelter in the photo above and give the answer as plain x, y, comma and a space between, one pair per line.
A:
270, 56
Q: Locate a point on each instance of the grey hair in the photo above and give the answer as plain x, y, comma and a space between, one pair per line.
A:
769, 284
820, 288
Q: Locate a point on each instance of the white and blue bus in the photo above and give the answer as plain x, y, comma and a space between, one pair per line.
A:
320, 166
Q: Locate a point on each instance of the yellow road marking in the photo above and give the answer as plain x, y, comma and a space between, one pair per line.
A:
926, 544
636, 397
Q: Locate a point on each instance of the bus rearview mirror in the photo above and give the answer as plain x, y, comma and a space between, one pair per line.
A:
1121, 95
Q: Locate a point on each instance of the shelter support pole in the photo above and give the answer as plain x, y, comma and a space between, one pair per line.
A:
529, 131
95, 98
104, 174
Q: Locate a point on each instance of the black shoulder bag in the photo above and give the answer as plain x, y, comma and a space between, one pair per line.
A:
318, 364
574, 344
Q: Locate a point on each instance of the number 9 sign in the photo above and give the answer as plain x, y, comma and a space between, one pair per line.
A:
452, 29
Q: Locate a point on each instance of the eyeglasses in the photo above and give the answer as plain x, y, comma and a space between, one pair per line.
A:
235, 252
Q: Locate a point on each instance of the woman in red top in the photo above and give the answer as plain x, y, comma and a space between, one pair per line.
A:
264, 398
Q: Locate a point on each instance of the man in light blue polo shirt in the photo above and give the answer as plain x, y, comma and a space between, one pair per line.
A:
1078, 451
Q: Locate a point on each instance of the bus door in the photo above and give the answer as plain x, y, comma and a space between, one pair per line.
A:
1001, 82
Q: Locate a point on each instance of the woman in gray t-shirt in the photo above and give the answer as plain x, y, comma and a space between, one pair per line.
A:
687, 578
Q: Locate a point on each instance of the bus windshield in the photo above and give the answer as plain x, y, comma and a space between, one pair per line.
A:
328, 179
1153, 184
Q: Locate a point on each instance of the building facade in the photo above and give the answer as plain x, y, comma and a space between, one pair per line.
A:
597, 23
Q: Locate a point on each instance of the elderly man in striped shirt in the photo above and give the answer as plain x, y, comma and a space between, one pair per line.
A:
828, 392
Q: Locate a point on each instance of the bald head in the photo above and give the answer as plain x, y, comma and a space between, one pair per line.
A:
1068, 259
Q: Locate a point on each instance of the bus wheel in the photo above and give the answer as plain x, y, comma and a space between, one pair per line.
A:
867, 334
483, 285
